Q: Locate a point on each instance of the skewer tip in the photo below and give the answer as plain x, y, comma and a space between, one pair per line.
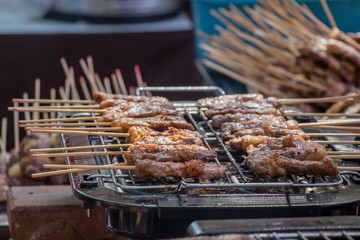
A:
81, 79
89, 56
117, 71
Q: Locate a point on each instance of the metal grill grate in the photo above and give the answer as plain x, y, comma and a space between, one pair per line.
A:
239, 178
301, 235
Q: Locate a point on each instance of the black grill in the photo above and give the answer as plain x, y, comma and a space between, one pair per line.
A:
165, 207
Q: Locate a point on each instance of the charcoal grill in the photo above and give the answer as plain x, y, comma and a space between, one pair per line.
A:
164, 208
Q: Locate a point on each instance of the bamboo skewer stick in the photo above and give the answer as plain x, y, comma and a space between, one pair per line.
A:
99, 83
90, 64
37, 96
333, 134
343, 152
4, 124
52, 97
340, 128
92, 106
344, 156
87, 124
295, 114
121, 81
3, 152
65, 67
16, 129
115, 84
84, 88
26, 104
81, 132
59, 172
71, 154
74, 91
344, 122
328, 13
23, 109
111, 129
341, 168
338, 142
62, 101
72, 119
317, 100
121, 166
88, 75
79, 148
107, 85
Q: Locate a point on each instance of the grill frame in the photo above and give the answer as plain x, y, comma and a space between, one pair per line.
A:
178, 209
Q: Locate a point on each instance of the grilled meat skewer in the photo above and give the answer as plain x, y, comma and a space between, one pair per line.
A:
257, 120
167, 153
149, 169
171, 136
297, 141
235, 129
156, 123
289, 161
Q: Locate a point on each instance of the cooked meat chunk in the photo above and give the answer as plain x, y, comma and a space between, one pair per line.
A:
296, 141
101, 96
171, 136
282, 162
168, 153
122, 102
137, 111
259, 110
156, 123
149, 169
265, 131
234, 99
217, 120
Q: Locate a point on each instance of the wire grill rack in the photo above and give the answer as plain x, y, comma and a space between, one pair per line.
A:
238, 179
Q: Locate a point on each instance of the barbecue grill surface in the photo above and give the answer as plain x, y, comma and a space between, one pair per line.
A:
164, 208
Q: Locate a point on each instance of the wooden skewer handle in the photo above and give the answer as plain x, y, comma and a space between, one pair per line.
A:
30, 100
82, 133
59, 172
78, 148
348, 156
92, 167
333, 134
78, 154
29, 109
357, 169
72, 119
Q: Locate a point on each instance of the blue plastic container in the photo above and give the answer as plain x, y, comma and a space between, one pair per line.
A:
346, 14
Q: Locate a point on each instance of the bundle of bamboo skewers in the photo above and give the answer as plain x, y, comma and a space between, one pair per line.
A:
281, 49
20, 165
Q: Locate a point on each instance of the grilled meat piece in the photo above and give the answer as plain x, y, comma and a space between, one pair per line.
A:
168, 153
149, 169
345, 50
137, 111
122, 102
217, 120
101, 96
243, 143
144, 135
318, 52
231, 130
254, 109
156, 123
230, 100
282, 162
